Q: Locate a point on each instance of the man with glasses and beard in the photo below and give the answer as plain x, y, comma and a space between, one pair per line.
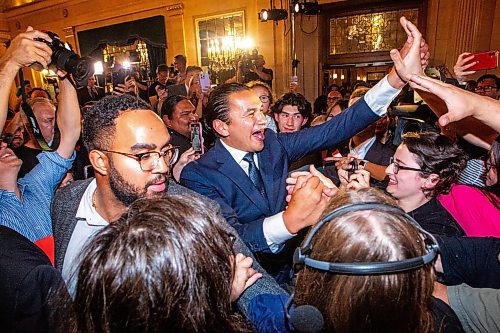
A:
130, 151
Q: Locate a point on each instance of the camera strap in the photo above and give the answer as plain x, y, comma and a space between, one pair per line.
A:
28, 111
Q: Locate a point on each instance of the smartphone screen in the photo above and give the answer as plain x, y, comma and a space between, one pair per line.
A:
197, 138
485, 60
205, 82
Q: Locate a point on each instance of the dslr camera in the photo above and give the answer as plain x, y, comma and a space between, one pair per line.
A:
81, 68
247, 61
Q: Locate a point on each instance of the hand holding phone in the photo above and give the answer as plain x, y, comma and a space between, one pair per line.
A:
484, 60
119, 78
205, 82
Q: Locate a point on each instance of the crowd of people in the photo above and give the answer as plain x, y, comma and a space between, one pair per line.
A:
356, 213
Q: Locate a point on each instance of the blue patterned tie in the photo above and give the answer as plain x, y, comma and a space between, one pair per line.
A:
254, 174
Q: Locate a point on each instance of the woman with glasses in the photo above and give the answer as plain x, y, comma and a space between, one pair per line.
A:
424, 166
422, 176
266, 97
167, 265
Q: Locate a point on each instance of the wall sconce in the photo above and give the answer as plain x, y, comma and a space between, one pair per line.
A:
342, 76
335, 76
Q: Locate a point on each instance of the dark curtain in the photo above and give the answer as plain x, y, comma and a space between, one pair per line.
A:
151, 30
157, 56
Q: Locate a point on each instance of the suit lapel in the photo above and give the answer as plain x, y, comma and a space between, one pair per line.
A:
229, 168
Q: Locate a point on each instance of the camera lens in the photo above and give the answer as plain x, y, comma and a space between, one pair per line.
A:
82, 70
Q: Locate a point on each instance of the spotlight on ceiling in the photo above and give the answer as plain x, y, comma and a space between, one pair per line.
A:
272, 15
306, 8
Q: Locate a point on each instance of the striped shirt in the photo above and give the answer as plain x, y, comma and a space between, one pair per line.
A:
31, 216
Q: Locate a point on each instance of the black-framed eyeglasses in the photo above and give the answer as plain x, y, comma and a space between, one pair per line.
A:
149, 160
398, 167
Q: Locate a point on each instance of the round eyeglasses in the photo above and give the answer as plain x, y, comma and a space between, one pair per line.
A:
149, 160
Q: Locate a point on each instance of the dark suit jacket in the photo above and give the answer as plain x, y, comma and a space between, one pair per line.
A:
84, 95
177, 89
27, 280
218, 176
65, 205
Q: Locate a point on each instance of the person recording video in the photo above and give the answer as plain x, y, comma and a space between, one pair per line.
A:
251, 68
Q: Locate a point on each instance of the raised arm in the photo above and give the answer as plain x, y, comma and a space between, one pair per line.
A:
23, 51
68, 118
453, 104
411, 59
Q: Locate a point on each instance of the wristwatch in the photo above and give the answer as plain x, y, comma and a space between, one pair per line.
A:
362, 163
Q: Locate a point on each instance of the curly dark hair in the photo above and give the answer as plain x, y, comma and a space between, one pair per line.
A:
436, 154
100, 119
293, 99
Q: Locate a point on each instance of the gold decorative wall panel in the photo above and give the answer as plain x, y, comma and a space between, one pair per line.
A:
368, 32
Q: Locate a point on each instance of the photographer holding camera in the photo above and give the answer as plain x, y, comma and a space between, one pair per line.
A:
251, 68
25, 203
27, 273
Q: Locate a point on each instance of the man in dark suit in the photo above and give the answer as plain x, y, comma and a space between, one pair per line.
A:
89, 93
255, 205
245, 172
130, 151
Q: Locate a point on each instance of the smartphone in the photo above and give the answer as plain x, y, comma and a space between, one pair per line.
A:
205, 82
197, 138
486, 60
119, 78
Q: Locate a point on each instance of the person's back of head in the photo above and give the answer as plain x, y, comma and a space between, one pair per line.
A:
397, 302
165, 265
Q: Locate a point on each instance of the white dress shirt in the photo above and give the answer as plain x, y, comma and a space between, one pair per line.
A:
377, 98
88, 224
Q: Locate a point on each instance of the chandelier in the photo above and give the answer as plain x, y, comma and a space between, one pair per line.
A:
225, 52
